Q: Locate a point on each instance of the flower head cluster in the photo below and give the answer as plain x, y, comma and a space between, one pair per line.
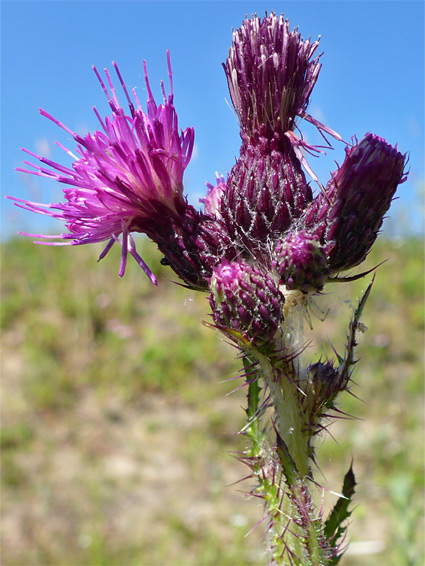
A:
128, 177
261, 245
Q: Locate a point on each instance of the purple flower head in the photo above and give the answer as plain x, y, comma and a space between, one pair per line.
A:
270, 73
346, 217
246, 300
126, 178
300, 262
212, 202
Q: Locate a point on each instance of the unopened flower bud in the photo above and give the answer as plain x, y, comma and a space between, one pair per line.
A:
325, 382
322, 375
300, 262
246, 300
347, 216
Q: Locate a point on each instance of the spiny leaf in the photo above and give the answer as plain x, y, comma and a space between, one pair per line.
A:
345, 369
333, 529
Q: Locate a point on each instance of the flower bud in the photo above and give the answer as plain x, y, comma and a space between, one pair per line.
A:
347, 216
246, 300
300, 262
325, 381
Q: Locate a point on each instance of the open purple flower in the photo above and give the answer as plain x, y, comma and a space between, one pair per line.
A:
126, 178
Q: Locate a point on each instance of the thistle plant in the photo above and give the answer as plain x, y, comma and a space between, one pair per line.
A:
263, 249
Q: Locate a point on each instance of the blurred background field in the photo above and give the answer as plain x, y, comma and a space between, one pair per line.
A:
117, 423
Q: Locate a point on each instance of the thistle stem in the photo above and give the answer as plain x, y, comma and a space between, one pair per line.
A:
288, 417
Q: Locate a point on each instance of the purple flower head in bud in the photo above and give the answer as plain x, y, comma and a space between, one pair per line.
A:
300, 262
271, 72
325, 381
212, 202
245, 300
347, 216
126, 178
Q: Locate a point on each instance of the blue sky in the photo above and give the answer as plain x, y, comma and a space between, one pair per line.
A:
372, 79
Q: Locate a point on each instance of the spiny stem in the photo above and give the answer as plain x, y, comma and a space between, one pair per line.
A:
252, 430
289, 421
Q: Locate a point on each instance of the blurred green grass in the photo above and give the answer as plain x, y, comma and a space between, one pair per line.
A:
116, 423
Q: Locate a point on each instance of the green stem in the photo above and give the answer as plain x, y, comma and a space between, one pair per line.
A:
299, 535
253, 426
296, 526
289, 421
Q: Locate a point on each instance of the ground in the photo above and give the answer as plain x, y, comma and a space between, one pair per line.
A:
119, 434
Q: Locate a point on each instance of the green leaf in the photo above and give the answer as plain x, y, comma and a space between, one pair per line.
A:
345, 368
333, 529
288, 465
253, 388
